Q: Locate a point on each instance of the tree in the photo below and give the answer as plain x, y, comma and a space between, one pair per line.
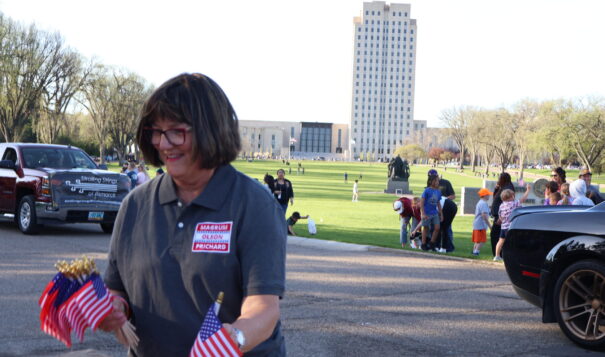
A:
96, 98
446, 156
128, 92
411, 152
550, 137
27, 59
586, 129
523, 125
474, 135
435, 154
66, 79
457, 121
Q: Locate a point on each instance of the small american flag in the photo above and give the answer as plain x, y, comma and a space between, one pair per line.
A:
87, 307
213, 340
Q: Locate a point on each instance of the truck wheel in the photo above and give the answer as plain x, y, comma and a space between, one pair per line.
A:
580, 303
26, 215
107, 227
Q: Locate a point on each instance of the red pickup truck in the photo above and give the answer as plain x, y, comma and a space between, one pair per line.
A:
42, 183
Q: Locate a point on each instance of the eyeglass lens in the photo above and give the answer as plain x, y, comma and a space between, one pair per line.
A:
174, 136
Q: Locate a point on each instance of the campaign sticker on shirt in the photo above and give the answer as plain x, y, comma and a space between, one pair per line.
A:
212, 237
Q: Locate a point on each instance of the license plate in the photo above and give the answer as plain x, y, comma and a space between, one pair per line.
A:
95, 216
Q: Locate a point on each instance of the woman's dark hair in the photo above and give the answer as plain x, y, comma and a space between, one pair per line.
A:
198, 101
504, 180
270, 181
552, 186
559, 170
430, 179
296, 215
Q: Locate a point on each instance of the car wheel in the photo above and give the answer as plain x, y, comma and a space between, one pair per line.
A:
107, 227
580, 303
26, 215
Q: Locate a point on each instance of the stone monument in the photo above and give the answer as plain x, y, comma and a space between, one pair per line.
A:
398, 174
470, 197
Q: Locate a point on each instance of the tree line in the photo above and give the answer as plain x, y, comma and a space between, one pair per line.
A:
49, 92
556, 132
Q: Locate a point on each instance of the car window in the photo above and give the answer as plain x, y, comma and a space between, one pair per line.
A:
10, 154
56, 158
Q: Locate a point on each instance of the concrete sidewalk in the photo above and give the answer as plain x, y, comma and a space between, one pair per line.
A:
327, 244
324, 244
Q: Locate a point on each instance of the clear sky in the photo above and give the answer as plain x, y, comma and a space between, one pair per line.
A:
292, 60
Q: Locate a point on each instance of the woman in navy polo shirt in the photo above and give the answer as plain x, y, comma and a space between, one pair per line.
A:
197, 230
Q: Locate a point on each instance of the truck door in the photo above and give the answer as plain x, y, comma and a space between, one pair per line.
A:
8, 181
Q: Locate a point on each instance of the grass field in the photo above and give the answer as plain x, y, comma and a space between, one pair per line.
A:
322, 193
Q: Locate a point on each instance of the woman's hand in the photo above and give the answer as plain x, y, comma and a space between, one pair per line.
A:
116, 318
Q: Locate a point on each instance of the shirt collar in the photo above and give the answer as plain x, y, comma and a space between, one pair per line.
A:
213, 195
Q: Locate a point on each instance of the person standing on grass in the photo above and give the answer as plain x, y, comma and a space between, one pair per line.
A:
283, 191
430, 212
509, 203
447, 190
355, 192
445, 243
481, 221
504, 183
346, 177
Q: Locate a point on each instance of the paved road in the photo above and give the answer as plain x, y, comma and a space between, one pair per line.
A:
340, 302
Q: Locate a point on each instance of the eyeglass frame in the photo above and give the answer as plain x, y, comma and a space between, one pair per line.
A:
149, 132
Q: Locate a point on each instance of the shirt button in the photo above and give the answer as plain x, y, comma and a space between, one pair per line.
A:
181, 225
179, 204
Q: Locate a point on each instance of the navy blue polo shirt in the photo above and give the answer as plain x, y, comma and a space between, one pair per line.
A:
173, 260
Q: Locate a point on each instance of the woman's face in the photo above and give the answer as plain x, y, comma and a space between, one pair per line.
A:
177, 158
555, 177
281, 174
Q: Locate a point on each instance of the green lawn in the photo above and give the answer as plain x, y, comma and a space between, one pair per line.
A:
322, 193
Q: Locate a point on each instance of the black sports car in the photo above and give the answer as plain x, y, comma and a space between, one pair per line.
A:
555, 259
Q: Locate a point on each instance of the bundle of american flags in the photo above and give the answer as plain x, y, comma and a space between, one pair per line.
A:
213, 340
77, 298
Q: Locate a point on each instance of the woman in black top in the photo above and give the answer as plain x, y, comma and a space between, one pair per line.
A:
282, 190
504, 182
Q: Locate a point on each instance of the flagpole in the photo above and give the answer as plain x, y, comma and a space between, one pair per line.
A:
218, 302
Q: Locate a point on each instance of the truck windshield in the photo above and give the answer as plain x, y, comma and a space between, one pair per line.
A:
56, 158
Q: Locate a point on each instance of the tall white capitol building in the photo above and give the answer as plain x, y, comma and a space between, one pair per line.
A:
382, 109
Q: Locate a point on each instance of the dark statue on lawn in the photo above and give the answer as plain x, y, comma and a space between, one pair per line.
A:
398, 170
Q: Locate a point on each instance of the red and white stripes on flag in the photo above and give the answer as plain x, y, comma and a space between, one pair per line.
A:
86, 308
213, 340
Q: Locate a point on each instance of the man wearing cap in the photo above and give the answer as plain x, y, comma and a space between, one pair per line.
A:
444, 185
592, 191
447, 191
408, 211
